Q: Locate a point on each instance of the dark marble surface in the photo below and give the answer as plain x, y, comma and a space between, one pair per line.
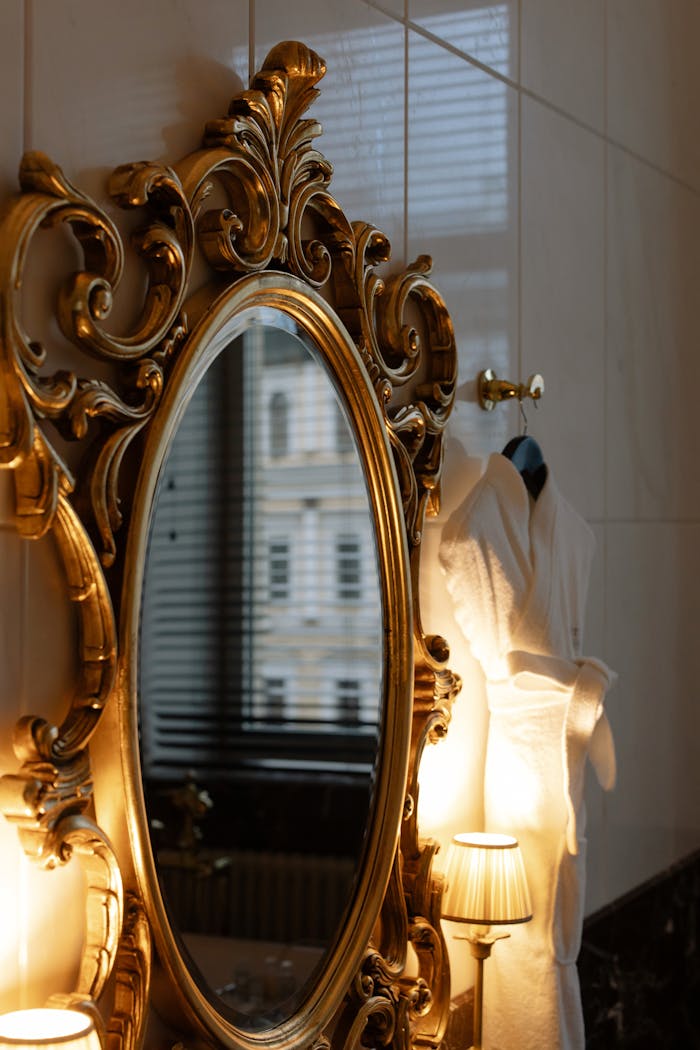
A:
639, 966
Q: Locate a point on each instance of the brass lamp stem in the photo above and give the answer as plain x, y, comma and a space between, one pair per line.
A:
480, 945
480, 950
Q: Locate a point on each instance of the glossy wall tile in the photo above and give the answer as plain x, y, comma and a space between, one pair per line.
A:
12, 86
483, 30
131, 81
395, 8
653, 332
563, 305
463, 211
653, 609
563, 56
653, 82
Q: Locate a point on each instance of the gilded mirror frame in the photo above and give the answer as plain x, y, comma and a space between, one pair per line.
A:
280, 243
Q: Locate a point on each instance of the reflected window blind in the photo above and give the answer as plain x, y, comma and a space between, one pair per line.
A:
262, 593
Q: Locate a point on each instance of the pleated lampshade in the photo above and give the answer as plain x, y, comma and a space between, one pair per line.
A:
45, 1029
486, 882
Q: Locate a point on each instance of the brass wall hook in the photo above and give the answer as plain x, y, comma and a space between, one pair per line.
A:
491, 389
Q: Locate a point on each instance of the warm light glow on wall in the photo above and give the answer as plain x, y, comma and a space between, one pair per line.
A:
440, 772
33, 967
451, 771
14, 916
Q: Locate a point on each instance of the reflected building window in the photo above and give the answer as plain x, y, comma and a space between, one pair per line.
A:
279, 570
279, 424
275, 690
347, 695
348, 568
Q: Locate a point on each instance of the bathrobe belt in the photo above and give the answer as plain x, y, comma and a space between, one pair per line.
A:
586, 729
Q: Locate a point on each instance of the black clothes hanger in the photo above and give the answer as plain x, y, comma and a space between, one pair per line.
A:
526, 456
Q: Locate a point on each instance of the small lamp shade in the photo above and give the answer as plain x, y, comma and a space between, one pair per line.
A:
486, 882
48, 1028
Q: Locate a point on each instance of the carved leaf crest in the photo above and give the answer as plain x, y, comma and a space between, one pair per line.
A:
264, 156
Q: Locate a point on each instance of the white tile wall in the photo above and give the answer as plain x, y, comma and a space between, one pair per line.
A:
395, 8
130, 81
563, 56
653, 82
563, 306
463, 211
12, 45
653, 327
560, 204
481, 29
653, 610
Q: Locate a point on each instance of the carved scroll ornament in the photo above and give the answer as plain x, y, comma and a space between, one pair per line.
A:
278, 216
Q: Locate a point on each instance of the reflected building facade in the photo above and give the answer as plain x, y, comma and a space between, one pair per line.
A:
261, 615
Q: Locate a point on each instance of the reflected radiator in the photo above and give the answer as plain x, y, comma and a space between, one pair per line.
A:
283, 897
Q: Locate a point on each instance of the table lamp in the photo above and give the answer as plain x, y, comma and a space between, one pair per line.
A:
48, 1029
485, 886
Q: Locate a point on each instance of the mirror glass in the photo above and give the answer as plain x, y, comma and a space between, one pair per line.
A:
260, 674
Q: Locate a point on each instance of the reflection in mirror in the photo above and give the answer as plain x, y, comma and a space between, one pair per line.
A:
260, 673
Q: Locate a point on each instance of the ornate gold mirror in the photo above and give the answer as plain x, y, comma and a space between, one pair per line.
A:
237, 768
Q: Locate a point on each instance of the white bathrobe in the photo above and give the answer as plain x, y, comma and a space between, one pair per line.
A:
517, 571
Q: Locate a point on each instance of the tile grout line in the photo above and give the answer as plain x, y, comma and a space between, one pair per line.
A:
690, 522
518, 139
406, 122
27, 130
606, 341
251, 40
605, 851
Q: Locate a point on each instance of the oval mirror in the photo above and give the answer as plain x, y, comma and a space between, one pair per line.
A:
260, 673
